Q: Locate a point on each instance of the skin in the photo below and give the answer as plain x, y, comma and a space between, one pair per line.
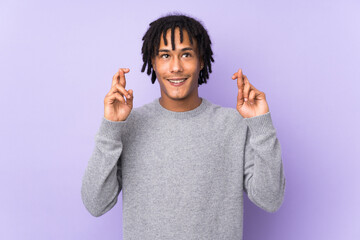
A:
183, 62
115, 107
250, 101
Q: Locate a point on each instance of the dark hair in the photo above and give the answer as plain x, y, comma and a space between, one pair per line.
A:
194, 29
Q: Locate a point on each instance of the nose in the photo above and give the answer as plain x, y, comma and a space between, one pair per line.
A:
176, 65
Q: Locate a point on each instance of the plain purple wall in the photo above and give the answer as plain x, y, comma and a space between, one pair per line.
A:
57, 59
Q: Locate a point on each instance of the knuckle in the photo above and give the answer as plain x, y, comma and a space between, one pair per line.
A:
106, 99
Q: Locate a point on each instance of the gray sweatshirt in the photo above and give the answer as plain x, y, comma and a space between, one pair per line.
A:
182, 174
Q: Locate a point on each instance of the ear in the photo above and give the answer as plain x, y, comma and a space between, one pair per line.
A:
201, 64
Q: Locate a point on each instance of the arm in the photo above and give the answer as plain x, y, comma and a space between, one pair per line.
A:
101, 183
264, 180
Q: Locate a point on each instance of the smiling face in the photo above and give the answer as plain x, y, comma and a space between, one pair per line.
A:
177, 70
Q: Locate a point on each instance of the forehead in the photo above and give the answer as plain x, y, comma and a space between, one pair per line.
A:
175, 38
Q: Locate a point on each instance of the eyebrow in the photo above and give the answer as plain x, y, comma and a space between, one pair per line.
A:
184, 49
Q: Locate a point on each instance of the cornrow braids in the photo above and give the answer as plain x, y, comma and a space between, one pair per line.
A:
159, 28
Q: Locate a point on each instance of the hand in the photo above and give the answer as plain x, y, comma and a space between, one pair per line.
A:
115, 107
250, 101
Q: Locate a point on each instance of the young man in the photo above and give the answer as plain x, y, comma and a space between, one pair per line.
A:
181, 161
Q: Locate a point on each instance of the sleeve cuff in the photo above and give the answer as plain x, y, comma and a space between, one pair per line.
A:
260, 124
112, 130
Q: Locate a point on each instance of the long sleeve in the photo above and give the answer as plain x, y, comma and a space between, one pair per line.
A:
102, 181
264, 180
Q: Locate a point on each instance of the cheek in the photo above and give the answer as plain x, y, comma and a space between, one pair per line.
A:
160, 68
195, 68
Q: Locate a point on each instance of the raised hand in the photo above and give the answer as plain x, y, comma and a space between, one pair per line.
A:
116, 108
250, 101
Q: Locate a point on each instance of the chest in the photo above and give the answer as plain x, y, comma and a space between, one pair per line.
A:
180, 152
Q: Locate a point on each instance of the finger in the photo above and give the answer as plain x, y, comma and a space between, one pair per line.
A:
240, 99
129, 101
122, 76
252, 96
251, 86
234, 76
116, 77
115, 96
246, 89
118, 88
240, 79
119, 97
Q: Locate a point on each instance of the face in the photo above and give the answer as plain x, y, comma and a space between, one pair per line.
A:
177, 70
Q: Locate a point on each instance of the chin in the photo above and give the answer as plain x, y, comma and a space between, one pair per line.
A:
176, 97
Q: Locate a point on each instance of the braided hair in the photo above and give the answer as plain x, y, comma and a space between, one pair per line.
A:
151, 42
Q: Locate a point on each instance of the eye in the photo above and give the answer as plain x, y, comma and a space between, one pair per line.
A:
187, 55
164, 55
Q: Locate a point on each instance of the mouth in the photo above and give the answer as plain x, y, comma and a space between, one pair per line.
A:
177, 81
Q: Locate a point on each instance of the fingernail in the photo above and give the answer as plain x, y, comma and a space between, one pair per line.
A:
245, 99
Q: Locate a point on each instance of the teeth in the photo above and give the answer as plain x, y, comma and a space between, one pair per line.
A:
176, 81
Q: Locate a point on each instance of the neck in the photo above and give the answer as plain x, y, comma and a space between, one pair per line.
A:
181, 105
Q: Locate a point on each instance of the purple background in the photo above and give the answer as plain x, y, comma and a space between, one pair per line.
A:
57, 59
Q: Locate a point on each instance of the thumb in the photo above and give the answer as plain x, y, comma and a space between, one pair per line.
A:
129, 101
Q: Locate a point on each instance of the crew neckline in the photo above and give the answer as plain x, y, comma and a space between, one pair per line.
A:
181, 115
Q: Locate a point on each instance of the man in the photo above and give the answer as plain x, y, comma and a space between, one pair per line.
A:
181, 161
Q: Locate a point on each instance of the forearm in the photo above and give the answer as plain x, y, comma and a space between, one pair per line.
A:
265, 180
101, 182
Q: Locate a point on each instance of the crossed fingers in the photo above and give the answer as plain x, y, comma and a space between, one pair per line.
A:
246, 89
119, 82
